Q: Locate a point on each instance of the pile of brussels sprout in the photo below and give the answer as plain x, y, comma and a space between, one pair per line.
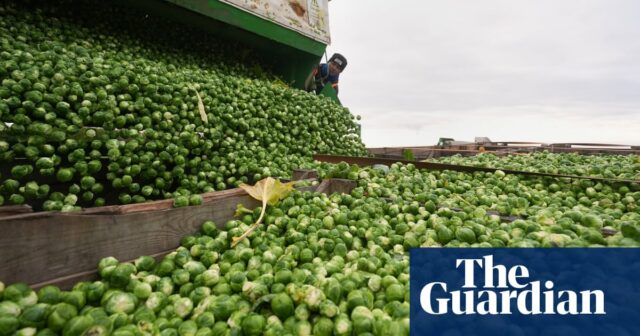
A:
326, 265
318, 265
99, 104
603, 165
502, 210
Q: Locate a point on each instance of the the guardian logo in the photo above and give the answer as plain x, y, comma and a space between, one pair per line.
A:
494, 289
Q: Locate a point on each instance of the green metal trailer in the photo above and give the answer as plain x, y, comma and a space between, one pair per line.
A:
289, 53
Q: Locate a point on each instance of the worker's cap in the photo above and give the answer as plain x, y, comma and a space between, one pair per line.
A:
339, 60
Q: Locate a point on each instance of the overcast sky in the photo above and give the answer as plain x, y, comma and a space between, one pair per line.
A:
533, 70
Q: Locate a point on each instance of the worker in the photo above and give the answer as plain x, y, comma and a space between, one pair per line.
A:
326, 73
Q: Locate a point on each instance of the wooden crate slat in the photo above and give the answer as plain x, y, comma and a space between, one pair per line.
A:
40, 248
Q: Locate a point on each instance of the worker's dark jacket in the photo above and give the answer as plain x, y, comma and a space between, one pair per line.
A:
322, 77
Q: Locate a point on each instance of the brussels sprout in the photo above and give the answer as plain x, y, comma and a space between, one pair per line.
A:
60, 315
253, 325
121, 302
156, 301
282, 305
183, 307
144, 314
254, 290
206, 319
180, 276
199, 294
188, 328
49, 294
165, 286
220, 329
119, 320
21, 294
323, 327
329, 309
194, 268
35, 316
75, 297
28, 331
395, 292
121, 275
302, 312
77, 326
342, 325
8, 324
10, 308
144, 263
142, 290
95, 291
222, 307
362, 319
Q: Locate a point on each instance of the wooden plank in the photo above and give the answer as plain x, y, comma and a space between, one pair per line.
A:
331, 186
39, 248
12, 210
304, 174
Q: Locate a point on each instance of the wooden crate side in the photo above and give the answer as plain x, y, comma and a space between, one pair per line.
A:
52, 248
303, 174
331, 186
12, 210
42, 248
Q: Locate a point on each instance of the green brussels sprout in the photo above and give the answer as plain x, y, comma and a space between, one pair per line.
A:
323, 327
188, 328
21, 294
156, 301
77, 326
205, 320
362, 319
75, 297
194, 268
165, 285
35, 316
220, 329
342, 325
183, 307
253, 325
10, 308
121, 302
144, 314
144, 263
282, 306
8, 324
329, 309
60, 315
121, 275
95, 291
106, 266
28, 331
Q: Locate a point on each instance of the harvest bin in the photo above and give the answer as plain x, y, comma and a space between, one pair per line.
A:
58, 248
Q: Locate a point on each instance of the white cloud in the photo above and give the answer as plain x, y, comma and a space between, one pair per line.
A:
524, 70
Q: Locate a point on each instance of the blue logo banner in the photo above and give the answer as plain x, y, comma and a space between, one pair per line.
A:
525, 292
